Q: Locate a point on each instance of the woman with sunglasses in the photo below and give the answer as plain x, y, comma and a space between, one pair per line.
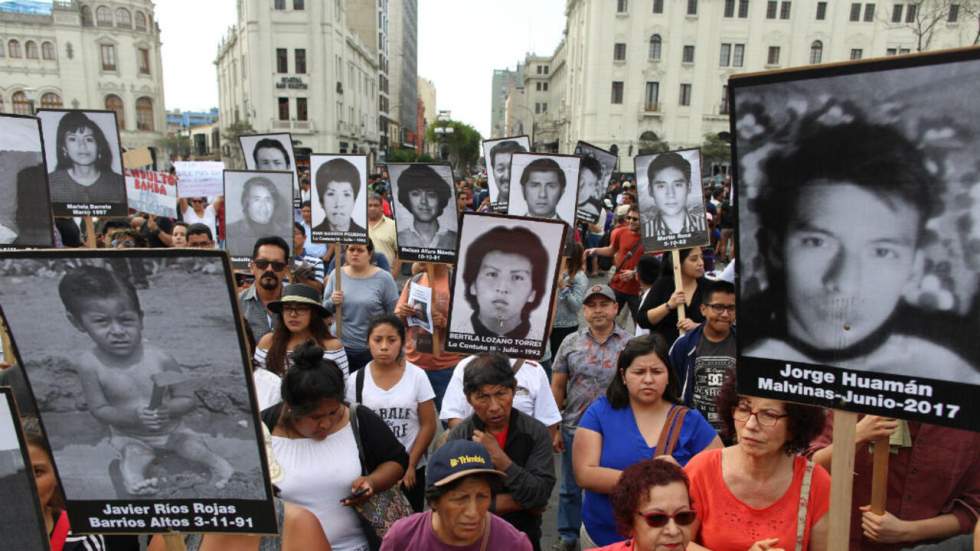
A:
638, 419
752, 495
658, 313
301, 319
652, 506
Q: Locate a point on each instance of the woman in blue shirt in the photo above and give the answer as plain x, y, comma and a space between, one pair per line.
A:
639, 405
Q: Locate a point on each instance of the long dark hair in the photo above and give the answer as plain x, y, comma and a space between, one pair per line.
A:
75, 121
617, 393
276, 359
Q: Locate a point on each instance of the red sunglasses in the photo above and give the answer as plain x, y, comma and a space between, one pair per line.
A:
659, 520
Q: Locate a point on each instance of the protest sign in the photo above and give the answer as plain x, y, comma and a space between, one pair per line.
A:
152, 192
420, 299
496, 157
271, 152
669, 192
597, 169
21, 519
257, 204
199, 178
857, 243
137, 158
503, 287
25, 211
172, 443
339, 210
424, 204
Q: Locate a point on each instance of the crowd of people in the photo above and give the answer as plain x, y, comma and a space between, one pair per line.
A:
655, 449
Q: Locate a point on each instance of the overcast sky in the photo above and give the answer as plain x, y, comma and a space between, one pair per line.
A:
460, 43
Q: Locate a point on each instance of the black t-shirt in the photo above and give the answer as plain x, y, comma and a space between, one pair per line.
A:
712, 362
659, 293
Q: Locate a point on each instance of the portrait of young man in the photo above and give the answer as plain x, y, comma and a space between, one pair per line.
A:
262, 210
671, 201
541, 189
271, 152
497, 156
425, 211
594, 175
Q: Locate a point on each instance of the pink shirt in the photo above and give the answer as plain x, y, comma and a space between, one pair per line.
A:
415, 532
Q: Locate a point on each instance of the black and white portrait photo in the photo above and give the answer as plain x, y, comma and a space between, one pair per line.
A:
22, 525
257, 204
496, 156
339, 210
271, 152
668, 190
503, 284
594, 175
25, 210
84, 160
143, 387
424, 204
859, 232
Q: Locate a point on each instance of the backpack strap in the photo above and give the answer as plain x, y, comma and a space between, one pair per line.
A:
671, 431
359, 385
270, 416
518, 365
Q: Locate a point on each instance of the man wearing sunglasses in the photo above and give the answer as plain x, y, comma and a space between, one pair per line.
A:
269, 262
626, 248
703, 357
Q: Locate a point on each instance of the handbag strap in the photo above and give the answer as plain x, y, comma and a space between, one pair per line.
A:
671, 431
518, 365
486, 533
804, 500
357, 437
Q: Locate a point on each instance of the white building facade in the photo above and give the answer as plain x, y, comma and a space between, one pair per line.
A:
102, 55
296, 66
631, 73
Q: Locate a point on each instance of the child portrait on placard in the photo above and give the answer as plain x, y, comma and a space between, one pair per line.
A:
340, 210
671, 200
425, 211
497, 156
25, 213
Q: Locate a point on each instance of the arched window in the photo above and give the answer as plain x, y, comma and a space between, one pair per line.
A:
656, 45
13, 47
140, 21
30, 50
144, 114
3, 50
47, 51
86, 16
21, 105
103, 16
816, 52
51, 101
115, 103
123, 18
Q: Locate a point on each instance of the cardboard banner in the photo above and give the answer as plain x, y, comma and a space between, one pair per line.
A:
137, 158
857, 240
171, 442
339, 208
257, 204
199, 178
503, 287
423, 198
496, 157
84, 157
25, 210
22, 521
152, 192
596, 171
271, 152
671, 200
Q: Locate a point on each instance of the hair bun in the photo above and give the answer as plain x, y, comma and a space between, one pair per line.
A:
307, 356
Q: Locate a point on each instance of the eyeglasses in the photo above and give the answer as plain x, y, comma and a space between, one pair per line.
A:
262, 264
295, 308
765, 417
719, 308
659, 520
196, 201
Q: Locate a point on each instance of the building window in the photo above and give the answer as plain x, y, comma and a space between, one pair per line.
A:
21, 105
773, 57
279, 4
738, 55
1, 97
729, 8
869, 13
144, 114
617, 92
772, 8
30, 50
86, 16
545, 86
656, 46
658, 6
816, 52
284, 109
688, 54
47, 51
299, 5
821, 11
108, 57
537, 108
115, 103
619, 51
857, 53
144, 60
723, 108
103, 16
692, 7
954, 13
910, 13
3, 53
784, 10
652, 96
897, 13
140, 21
743, 9
622, 6
855, 11
726, 55
282, 60
546, 69
538, 68
301, 61
13, 48
301, 112
685, 94
124, 19
537, 86
51, 101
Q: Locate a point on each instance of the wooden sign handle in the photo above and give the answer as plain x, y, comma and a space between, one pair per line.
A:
842, 481
89, 232
675, 256
879, 479
338, 316
174, 542
430, 272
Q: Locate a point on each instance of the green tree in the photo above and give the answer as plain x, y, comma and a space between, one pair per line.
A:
402, 156
178, 145
462, 144
715, 150
230, 138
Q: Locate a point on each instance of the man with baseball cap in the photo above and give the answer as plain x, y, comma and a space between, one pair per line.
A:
582, 369
460, 484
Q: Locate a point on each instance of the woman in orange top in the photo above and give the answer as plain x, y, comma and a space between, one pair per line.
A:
750, 496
